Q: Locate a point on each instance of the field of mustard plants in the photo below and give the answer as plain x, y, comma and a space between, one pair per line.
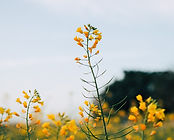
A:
145, 120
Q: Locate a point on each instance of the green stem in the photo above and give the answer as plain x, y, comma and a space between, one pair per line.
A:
97, 90
27, 121
57, 135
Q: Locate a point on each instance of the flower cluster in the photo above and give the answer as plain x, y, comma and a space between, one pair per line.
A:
64, 126
148, 113
29, 101
6, 115
90, 34
92, 111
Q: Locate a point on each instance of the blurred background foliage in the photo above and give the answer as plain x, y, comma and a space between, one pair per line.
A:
158, 85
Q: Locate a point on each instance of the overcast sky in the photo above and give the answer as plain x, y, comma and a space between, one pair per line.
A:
37, 49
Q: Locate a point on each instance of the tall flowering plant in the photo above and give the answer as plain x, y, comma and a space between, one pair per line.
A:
89, 42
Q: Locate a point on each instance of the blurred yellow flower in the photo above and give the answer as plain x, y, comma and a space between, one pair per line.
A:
46, 125
139, 98
86, 103
153, 132
70, 137
25, 104
132, 118
142, 106
16, 114
51, 117
79, 29
143, 127
18, 100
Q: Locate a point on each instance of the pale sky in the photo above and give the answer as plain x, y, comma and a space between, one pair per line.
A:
37, 50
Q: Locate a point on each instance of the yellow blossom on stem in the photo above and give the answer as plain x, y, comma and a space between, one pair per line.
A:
159, 124
150, 117
86, 103
18, 125
79, 29
37, 122
70, 137
46, 125
136, 127
143, 126
85, 56
148, 100
16, 114
142, 106
86, 34
86, 120
91, 37
80, 44
45, 131
134, 110
26, 96
58, 123
77, 59
81, 114
97, 52
132, 118
139, 98
51, 117
152, 108
80, 108
152, 133
18, 100
25, 104
2, 110
63, 130
160, 114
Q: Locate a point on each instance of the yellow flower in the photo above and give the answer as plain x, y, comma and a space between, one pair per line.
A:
90, 49
25, 104
148, 100
134, 110
26, 96
80, 108
23, 111
152, 133
169, 138
86, 103
139, 98
18, 125
99, 37
152, 108
151, 117
30, 116
143, 126
58, 123
72, 126
24, 92
132, 118
77, 59
160, 114
18, 100
142, 106
85, 56
79, 29
70, 137
51, 117
91, 37
86, 34
97, 52
8, 111
63, 130
86, 120
41, 103
46, 125
38, 109
159, 124
80, 44
45, 131
76, 39
16, 114
37, 122
81, 114
97, 119
136, 128
95, 32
